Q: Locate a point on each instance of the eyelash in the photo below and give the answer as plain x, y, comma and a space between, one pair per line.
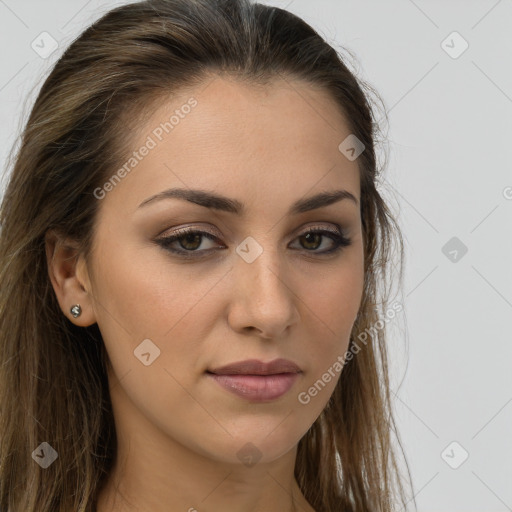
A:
340, 242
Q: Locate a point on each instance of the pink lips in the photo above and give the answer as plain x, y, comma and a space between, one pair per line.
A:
255, 380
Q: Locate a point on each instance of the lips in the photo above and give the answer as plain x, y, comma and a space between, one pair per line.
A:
255, 380
256, 367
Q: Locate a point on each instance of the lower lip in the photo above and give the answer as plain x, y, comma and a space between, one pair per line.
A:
257, 388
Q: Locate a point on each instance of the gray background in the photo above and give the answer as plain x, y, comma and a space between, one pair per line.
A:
449, 175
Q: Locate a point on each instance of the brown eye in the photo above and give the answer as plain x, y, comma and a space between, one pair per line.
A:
312, 240
191, 240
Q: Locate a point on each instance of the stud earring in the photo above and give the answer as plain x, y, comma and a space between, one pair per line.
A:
76, 310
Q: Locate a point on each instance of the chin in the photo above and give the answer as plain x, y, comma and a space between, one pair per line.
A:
265, 442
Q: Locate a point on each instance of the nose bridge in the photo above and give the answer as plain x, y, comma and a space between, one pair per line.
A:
260, 261
261, 286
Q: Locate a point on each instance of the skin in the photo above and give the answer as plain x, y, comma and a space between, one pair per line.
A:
178, 431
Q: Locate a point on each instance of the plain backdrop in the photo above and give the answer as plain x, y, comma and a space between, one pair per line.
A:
443, 70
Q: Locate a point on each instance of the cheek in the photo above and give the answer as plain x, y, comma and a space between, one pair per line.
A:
336, 298
141, 291
140, 295
332, 308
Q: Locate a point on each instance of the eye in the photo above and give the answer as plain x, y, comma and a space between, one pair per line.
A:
191, 240
313, 238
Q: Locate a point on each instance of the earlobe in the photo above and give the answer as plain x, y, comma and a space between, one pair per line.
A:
65, 269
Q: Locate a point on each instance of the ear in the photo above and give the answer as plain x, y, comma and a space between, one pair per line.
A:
69, 278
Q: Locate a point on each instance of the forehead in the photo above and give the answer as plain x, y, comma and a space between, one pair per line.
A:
229, 135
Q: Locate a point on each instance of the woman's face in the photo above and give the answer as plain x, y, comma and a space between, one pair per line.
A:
252, 286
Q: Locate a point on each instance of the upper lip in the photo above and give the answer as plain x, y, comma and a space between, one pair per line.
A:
257, 367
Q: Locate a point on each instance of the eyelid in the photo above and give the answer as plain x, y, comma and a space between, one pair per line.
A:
338, 230
340, 239
195, 227
184, 230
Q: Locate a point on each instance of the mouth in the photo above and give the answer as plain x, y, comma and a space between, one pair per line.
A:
255, 380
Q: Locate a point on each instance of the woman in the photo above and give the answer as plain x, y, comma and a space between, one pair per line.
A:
192, 241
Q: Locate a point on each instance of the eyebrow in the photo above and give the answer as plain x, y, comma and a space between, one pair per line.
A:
222, 203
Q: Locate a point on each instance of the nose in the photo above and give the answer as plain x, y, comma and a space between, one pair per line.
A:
262, 296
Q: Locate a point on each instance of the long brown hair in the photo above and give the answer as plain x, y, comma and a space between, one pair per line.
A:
53, 380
